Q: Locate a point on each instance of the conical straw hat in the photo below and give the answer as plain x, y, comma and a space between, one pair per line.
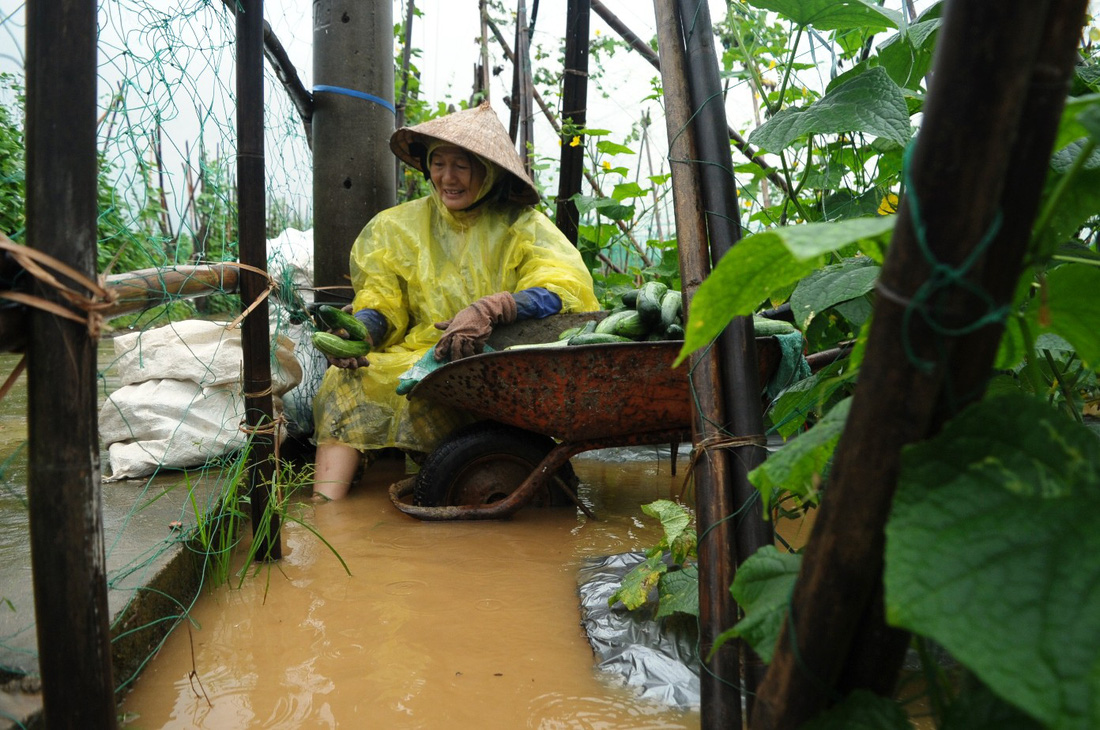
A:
478, 130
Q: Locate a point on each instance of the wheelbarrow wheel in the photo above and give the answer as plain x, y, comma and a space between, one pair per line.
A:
484, 463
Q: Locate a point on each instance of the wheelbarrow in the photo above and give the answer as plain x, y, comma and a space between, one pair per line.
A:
541, 407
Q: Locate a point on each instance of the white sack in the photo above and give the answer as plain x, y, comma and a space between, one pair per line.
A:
181, 403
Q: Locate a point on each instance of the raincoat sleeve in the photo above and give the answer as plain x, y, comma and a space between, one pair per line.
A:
550, 261
375, 268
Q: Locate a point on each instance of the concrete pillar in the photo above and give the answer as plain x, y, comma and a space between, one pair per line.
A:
353, 119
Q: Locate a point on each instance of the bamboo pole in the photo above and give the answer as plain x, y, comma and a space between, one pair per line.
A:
720, 697
574, 109
255, 332
986, 67
63, 480
873, 662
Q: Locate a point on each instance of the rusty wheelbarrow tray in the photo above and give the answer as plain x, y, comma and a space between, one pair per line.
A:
583, 397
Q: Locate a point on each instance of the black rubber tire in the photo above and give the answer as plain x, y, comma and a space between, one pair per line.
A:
512, 453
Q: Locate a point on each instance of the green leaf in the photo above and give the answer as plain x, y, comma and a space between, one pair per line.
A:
613, 148
1074, 309
636, 585
676, 522
870, 103
861, 710
611, 208
991, 552
907, 56
796, 465
976, 708
678, 592
789, 411
1070, 128
833, 14
762, 588
831, 285
766, 263
626, 190
1080, 199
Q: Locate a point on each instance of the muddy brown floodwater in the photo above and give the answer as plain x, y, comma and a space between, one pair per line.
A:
439, 625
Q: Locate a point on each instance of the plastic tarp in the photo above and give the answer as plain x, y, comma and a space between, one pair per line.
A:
180, 402
658, 658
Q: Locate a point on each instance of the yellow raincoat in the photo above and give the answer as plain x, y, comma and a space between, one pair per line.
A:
420, 263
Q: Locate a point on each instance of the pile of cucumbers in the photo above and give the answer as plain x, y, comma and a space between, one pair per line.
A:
356, 344
653, 312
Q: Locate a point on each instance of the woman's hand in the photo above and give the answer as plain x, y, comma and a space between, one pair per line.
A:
466, 333
348, 363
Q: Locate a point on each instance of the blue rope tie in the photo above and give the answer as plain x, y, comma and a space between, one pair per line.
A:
356, 94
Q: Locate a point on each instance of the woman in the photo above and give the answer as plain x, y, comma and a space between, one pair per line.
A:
440, 272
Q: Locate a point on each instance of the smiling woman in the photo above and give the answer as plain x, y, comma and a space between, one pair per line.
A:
458, 176
432, 278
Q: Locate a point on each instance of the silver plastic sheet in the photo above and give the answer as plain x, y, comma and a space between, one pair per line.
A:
659, 658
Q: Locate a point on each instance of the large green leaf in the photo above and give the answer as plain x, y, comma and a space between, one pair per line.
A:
861, 710
766, 263
678, 592
991, 551
833, 14
1074, 309
832, 285
762, 588
797, 465
871, 103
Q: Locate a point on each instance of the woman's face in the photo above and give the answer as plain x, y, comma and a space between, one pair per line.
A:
457, 175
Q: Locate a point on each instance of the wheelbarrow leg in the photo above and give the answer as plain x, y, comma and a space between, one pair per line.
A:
546, 470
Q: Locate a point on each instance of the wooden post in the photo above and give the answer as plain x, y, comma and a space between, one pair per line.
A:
1001, 72
517, 72
64, 481
575, 110
252, 224
737, 344
353, 119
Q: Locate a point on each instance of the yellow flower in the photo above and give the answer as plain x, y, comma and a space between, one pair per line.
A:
1094, 34
606, 165
597, 32
575, 141
888, 205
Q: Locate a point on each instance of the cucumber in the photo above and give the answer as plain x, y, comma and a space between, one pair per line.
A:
649, 301
566, 334
337, 319
672, 304
630, 298
767, 327
597, 338
334, 346
674, 332
625, 324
